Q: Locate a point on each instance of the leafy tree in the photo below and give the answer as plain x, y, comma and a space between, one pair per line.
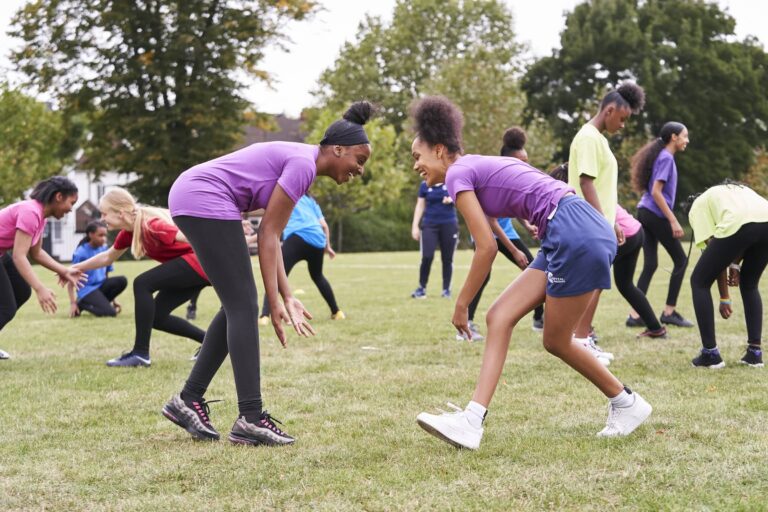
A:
159, 80
684, 53
30, 138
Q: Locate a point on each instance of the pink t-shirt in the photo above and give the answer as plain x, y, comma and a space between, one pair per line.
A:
26, 216
243, 181
626, 222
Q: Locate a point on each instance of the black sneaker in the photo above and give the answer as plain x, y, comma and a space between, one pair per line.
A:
634, 322
193, 418
263, 432
708, 358
675, 319
753, 357
191, 312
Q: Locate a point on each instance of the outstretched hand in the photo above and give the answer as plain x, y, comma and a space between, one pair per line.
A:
73, 276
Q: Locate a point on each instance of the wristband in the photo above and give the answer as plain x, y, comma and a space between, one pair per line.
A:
725, 302
734, 266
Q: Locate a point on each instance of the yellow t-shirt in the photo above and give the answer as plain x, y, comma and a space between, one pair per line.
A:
590, 154
723, 209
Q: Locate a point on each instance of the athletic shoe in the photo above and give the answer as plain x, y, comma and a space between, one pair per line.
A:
264, 320
191, 312
675, 319
604, 357
538, 325
197, 353
708, 358
657, 334
4, 354
592, 334
419, 293
452, 427
476, 336
634, 322
192, 417
262, 432
129, 359
753, 357
339, 315
623, 420
446, 294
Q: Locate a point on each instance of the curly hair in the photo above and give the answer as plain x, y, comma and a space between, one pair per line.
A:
359, 112
642, 162
438, 121
628, 94
514, 140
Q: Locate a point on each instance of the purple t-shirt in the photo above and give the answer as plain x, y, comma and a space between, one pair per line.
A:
664, 169
26, 216
507, 187
243, 181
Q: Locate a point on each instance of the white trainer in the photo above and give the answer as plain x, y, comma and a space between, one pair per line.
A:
604, 357
452, 427
623, 420
4, 354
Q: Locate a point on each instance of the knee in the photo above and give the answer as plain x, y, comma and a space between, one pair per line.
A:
650, 263
6, 315
141, 284
495, 319
551, 346
121, 282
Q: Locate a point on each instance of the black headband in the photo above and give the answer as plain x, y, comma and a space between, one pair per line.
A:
345, 133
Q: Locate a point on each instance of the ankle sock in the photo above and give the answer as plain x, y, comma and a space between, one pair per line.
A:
476, 414
624, 399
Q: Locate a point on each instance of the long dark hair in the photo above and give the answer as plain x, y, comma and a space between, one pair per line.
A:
92, 227
46, 190
642, 161
438, 121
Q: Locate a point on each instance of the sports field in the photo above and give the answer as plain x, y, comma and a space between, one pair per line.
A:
77, 435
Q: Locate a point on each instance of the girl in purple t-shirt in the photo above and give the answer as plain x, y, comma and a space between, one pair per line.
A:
21, 230
654, 174
577, 248
206, 202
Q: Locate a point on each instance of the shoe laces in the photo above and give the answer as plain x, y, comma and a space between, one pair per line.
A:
613, 415
203, 410
267, 420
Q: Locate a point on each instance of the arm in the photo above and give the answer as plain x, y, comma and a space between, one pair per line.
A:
102, 259
66, 275
658, 198
725, 299
418, 212
74, 310
590, 195
533, 230
21, 247
328, 249
520, 259
485, 252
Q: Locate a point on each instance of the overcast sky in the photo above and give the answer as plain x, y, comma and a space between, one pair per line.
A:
316, 43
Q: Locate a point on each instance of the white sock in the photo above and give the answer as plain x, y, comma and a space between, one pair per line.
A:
475, 414
623, 399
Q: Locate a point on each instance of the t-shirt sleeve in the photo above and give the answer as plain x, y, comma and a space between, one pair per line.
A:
123, 240
29, 222
162, 231
663, 168
297, 176
423, 189
78, 255
701, 220
459, 180
586, 157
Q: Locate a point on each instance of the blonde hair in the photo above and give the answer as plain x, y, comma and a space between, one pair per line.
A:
120, 200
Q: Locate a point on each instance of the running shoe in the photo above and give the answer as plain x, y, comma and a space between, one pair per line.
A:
191, 312
623, 420
339, 315
634, 322
675, 319
446, 294
604, 357
538, 324
419, 293
452, 427
753, 357
4, 354
192, 417
262, 432
476, 336
708, 358
129, 359
657, 334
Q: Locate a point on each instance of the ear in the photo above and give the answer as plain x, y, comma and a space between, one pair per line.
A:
337, 151
58, 197
439, 149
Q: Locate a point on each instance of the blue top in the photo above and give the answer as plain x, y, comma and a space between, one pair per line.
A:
509, 230
437, 212
97, 276
305, 222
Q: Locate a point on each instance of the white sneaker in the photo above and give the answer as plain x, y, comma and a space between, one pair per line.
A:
476, 336
452, 427
604, 357
623, 420
4, 354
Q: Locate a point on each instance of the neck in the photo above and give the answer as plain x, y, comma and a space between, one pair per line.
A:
671, 147
598, 122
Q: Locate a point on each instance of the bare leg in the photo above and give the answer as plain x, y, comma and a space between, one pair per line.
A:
585, 322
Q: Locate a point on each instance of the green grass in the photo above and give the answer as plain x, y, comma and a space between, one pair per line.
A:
80, 436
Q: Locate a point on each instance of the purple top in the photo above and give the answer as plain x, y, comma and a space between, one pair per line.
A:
664, 169
243, 181
507, 187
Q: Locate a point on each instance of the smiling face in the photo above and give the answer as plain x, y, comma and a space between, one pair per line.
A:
428, 161
114, 219
681, 140
348, 162
616, 117
62, 205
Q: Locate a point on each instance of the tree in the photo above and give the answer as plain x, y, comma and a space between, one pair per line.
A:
684, 53
159, 80
30, 143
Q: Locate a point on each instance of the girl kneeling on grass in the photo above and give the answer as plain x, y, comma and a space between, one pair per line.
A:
151, 232
731, 221
21, 230
577, 248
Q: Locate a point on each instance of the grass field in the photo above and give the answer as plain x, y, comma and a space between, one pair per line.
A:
80, 436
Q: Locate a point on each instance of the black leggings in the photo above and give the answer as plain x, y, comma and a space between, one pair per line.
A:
296, 249
223, 253
538, 312
624, 274
99, 301
751, 242
447, 237
657, 229
175, 281
14, 290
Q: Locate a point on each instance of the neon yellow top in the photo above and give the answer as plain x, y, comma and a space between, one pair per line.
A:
591, 155
723, 209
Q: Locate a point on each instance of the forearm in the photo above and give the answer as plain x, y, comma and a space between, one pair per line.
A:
722, 284
658, 198
478, 271
45, 259
589, 192
98, 261
72, 294
270, 261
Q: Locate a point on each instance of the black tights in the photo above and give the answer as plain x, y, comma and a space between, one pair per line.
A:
296, 249
14, 290
99, 301
538, 312
751, 241
175, 282
657, 229
624, 274
234, 329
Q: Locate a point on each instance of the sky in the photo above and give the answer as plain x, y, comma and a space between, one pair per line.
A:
316, 43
